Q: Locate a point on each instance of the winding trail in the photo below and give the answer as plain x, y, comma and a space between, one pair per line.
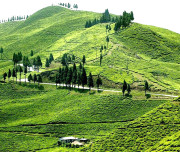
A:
86, 88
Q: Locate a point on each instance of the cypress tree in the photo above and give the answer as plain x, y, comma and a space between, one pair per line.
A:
32, 53
13, 74
80, 66
84, 77
35, 78
9, 74
51, 58
69, 77
101, 59
90, 81
78, 79
98, 82
47, 62
30, 78
74, 67
124, 87
146, 86
84, 60
128, 89
107, 40
1, 51
20, 70
4, 76
74, 77
39, 79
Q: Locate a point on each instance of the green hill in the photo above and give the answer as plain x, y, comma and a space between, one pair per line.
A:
158, 130
137, 53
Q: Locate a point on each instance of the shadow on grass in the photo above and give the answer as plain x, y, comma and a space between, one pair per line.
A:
74, 89
148, 96
40, 87
128, 95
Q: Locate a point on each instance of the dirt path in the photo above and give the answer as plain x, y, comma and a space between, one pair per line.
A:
86, 88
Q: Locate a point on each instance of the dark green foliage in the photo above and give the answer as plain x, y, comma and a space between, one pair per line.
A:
13, 73
51, 58
26, 62
37, 62
69, 5
124, 88
35, 78
17, 57
128, 89
101, 57
83, 77
98, 81
30, 78
20, 70
107, 40
78, 81
9, 74
131, 16
4, 76
47, 62
74, 77
124, 20
73, 57
69, 77
32, 53
90, 81
146, 86
80, 66
1, 51
39, 79
75, 6
106, 17
66, 59
84, 60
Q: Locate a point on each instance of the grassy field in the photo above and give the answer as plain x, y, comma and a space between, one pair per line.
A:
47, 114
158, 130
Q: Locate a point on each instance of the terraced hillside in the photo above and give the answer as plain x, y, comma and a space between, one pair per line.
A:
137, 53
34, 118
158, 130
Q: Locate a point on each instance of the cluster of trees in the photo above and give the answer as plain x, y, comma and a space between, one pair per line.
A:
67, 59
126, 87
17, 58
37, 63
15, 18
75, 76
105, 18
68, 5
124, 20
13, 73
35, 78
48, 61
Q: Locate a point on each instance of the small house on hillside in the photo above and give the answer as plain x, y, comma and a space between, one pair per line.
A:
66, 140
73, 141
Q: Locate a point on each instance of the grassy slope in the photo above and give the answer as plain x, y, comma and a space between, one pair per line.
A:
158, 130
59, 30
27, 112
